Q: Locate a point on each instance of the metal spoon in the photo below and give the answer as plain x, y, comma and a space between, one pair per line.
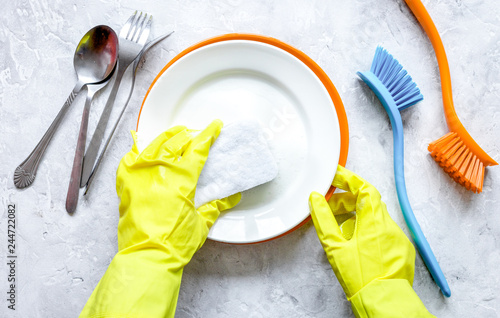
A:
95, 58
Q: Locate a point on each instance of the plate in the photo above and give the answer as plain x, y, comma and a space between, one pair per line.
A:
234, 77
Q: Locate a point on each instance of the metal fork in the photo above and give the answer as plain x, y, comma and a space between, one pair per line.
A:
133, 36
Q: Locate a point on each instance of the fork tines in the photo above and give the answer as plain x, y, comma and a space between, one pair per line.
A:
134, 27
136, 22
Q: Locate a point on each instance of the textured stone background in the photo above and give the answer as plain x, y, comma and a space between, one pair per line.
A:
61, 257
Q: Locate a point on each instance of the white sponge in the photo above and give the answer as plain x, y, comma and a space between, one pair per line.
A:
238, 160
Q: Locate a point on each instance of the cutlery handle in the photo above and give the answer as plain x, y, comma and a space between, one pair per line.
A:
88, 181
98, 135
76, 171
25, 173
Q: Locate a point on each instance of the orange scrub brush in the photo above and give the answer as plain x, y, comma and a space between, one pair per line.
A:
456, 152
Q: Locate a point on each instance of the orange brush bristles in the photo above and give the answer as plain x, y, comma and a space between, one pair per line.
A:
458, 161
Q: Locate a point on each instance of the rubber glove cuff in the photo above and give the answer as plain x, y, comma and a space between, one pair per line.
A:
397, 296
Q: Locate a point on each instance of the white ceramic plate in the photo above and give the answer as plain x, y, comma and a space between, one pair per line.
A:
242, 79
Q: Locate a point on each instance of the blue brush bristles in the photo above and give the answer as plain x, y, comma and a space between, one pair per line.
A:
400, 85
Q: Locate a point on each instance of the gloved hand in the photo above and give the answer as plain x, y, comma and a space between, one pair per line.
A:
371, 256
159, 229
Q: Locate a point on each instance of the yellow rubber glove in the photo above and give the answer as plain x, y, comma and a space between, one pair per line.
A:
159, 229
371, 256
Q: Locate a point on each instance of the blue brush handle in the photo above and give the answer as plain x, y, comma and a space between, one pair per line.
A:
417, 235
416, 232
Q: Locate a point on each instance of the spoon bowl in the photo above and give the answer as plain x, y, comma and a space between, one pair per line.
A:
96, 54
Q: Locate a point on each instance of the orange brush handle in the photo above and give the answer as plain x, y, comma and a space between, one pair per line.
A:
452, 120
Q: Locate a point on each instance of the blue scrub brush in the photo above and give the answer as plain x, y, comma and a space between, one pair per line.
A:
397, 91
